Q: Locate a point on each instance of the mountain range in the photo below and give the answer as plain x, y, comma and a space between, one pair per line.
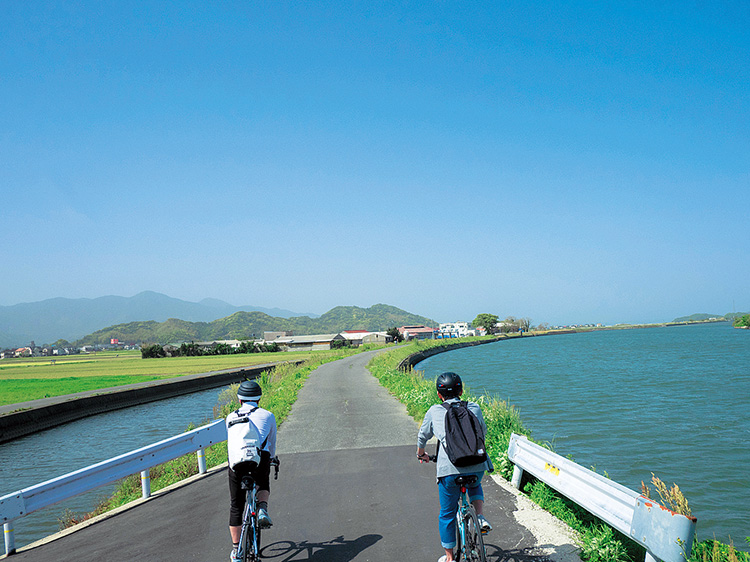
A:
71, 319
249, 325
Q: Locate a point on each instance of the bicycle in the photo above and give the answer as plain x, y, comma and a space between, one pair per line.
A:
470, 545
469, 542
249, 547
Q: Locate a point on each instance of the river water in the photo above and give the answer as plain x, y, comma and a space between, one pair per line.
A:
37, 458
674, 401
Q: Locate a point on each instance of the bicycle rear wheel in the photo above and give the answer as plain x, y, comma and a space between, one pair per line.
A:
249, 538
471, 548
256, 543
246, 543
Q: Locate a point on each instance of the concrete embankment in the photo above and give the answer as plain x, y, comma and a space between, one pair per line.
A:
17, 420
415, 358
419, 356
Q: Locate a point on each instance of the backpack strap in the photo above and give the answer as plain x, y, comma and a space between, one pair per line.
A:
448, 406
242, 418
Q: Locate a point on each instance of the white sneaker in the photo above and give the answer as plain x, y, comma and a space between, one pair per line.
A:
233, 556
264, 520
484, 525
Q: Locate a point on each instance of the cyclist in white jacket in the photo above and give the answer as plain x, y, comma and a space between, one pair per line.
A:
249, 394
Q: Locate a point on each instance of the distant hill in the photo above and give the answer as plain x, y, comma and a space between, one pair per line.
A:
697, 317
729, 316
247, 325
70, 319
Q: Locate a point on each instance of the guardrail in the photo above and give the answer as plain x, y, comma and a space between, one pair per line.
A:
18, 504
666, 535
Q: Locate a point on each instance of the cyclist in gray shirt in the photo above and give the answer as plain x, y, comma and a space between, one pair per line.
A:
450, 388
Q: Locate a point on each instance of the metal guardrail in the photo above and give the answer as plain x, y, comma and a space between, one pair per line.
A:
18, 504
666, 535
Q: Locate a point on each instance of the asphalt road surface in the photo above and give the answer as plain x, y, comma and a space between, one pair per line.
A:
349, 489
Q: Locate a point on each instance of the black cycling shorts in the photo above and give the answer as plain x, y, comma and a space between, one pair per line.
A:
261, 475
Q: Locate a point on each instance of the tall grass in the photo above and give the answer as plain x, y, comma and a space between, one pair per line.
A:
715, 551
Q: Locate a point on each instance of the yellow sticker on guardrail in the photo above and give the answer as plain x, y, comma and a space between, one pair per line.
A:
552, 468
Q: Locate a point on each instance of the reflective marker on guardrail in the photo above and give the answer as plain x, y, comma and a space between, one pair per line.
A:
667, 535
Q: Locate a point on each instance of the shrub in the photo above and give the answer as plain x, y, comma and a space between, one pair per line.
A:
151, 351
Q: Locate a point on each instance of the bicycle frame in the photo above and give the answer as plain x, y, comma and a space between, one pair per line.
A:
249, 549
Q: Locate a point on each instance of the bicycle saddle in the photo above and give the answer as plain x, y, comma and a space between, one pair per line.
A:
247, 483
467, 481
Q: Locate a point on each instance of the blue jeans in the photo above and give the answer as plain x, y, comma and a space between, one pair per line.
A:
449, 493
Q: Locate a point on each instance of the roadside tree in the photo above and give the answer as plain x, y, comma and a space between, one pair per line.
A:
486, 321
395, 334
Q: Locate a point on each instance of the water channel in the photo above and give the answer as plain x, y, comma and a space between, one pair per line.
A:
40, 457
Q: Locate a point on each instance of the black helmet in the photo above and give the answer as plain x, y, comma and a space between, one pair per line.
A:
449, 385
249, 391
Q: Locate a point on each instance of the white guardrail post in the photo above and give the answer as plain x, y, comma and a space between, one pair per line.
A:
201, 461
666, 535
145, 483
10, 540
18, 504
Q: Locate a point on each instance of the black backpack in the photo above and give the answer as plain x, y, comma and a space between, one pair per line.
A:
464, 438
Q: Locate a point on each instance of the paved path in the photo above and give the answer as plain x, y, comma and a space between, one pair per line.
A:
349, 489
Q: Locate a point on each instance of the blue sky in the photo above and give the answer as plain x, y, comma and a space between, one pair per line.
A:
586, 162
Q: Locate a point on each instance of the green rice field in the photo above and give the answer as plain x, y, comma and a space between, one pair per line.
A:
31, 378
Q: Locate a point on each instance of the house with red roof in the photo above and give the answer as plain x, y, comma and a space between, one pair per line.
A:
418, 332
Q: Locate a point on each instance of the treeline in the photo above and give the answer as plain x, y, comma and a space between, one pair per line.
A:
194, 350
493, 325
742, 321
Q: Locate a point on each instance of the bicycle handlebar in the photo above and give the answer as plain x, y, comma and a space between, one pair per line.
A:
430, 458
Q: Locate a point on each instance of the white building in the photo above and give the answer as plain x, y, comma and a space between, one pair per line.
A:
308, 343
456, 330
359, 337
